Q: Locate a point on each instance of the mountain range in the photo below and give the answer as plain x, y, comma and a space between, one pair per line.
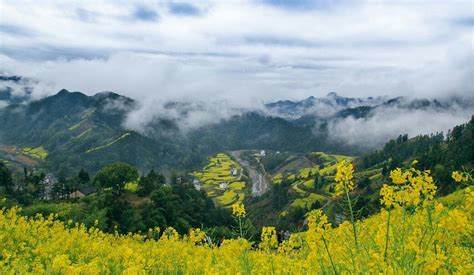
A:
73, 130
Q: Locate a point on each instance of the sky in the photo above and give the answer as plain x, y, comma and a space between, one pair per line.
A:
242, 51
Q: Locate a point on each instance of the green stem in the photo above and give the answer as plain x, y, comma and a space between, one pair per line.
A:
402, 243
352, 218
240, 227
329, 254
387, 236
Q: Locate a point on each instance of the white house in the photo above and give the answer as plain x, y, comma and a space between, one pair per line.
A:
197, 184
223, 185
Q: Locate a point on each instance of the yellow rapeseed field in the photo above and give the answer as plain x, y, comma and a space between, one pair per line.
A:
412, 234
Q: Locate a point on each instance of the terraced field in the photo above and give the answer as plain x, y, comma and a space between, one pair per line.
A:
311, 185
222, 179
19, 157
37, 152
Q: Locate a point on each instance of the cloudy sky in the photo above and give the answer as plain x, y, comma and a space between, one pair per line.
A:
245, 51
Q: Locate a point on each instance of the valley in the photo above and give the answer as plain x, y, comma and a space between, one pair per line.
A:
265, 174
74, 156
242, 137
256, 172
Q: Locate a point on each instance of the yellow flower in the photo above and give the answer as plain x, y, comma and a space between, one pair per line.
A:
170, 234
268, 238
317, 224
291, 245
387, 196
410, 188
238, 210
344, 178
439, 243
459, 176
60, 263
196, 236
399, 177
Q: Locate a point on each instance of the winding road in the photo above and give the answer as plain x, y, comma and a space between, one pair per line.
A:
260, 182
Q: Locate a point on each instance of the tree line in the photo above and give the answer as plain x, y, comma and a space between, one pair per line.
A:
112, 207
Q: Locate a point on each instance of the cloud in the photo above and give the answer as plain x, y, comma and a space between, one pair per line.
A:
241, 52
145, 14
302, 4
388, 123
187, 114
180, 8
290, 49
465, 21
15, 30
15, 89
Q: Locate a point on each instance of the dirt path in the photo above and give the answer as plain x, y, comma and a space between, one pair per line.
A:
260, 182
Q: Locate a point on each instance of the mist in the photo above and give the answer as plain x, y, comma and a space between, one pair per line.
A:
386, 123
225, 58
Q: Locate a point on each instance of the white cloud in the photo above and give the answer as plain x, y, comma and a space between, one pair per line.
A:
355, 48
388, 123
241, 52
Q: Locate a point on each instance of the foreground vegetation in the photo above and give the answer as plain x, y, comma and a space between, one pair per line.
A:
118, 199
413, 233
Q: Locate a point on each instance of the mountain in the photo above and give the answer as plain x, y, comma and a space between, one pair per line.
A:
81, 131
70, 130
75, 130
319, 107
14, 90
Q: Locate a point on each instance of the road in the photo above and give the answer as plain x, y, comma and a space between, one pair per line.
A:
260, 182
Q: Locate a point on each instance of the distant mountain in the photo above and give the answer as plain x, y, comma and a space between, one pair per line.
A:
14, 89
77, 130
319, 107
333, 108
71, 130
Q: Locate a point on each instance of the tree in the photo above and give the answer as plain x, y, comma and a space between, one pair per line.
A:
83, 177
58, 190
6, 178
150, 182
115, 176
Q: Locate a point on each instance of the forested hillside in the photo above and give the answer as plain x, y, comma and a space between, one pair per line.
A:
299, 183
302, 182
72, 130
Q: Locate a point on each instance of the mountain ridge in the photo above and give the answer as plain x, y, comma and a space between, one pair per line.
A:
79, 130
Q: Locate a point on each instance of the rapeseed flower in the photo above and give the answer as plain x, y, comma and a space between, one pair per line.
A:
344, 178
268, 238
460, 177
440, 242
238, 210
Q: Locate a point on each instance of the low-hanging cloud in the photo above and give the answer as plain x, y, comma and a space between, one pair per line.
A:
229, 56
187, 115
389, 122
